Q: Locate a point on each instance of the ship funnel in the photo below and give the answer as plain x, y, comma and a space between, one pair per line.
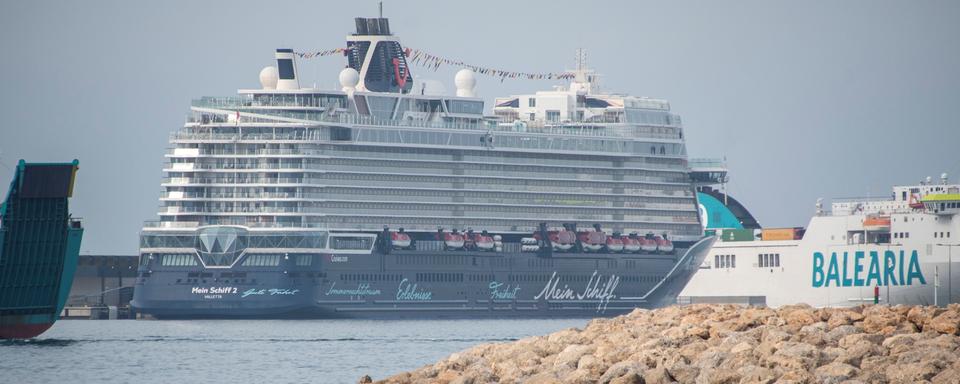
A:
378, 58
286, 69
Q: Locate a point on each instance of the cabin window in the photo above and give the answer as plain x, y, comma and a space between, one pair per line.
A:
531, 102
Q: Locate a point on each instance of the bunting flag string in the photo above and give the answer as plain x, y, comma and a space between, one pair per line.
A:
427, 60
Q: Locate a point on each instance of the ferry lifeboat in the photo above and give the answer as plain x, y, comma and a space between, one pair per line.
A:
630, 243
400, 239
593, 241
663, 245
876, 224
614, 243
648, 244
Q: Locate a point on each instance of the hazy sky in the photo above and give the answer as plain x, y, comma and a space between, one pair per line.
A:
805, 99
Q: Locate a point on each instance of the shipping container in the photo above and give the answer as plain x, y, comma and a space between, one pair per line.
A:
771, 234
738, 235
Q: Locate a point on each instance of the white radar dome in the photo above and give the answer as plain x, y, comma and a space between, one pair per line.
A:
349, 78
466, 82
269, 77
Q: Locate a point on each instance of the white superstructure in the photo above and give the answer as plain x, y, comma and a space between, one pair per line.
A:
898, 249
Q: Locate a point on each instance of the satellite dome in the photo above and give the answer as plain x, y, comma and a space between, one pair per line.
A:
349, 78
465, 82
269, 77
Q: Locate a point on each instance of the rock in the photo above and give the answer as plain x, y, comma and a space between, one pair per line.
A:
857, 338
946, 323
911, 373
757, 375
881, 319
365, 379
920, 316
682, 372
839, 332
854, 354
630, 378
794, 356
720, 376
898, 344
571, 355
741, 348
835, 373
753, 317
951, 376
621, 369
657, 376
543, 378
723, 344
798, 315
843, 317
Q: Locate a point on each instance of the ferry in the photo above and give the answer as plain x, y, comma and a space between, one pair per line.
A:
39, 248
383, 199
895, 250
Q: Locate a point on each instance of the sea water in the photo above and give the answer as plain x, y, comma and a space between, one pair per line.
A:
248, 351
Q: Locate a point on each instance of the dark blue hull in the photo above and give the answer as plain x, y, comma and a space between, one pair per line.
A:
421, 284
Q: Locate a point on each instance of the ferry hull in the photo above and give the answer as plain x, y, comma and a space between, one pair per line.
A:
565, 286
24, 327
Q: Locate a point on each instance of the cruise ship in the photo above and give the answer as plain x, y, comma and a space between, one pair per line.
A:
892, 250
382, 199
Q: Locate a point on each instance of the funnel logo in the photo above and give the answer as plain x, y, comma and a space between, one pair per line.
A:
866, 270
401, 78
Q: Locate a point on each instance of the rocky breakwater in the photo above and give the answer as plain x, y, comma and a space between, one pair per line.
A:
724, 344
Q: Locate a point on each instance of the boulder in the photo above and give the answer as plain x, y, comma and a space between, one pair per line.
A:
835, 373
947, 323
723, 344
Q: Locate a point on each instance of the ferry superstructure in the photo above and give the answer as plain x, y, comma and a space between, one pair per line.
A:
895, 250
383, 200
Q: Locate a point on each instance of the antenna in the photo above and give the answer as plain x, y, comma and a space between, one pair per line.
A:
581, 59
381, 9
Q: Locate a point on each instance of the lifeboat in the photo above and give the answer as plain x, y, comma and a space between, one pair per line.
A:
451, 240
631, 243
564, 240
663, 245
400, 240
614, 243
561, 240
648, 244
592, 241
876, 224
483, 241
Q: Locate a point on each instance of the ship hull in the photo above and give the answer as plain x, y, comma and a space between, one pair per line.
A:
413, 284
24, 326
827, 267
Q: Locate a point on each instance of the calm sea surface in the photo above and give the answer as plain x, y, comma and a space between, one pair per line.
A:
241, 351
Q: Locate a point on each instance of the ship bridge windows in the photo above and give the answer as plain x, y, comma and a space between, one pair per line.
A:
382, 106
465, 107
768, 260
178, 260
261, 260
725, 261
